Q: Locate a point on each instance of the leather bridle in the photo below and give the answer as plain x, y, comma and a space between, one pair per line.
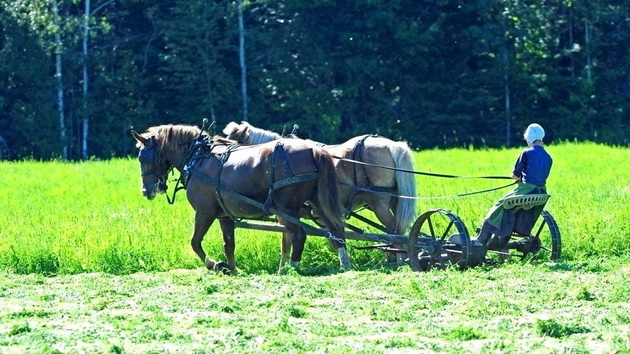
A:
150, 155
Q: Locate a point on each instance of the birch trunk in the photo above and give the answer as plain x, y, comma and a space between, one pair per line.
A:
59, 79
241, 50
86, 122
506, 88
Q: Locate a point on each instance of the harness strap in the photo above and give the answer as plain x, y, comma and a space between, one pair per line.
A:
357, 151
195, 146
285, 159
293, 179
357, 154
272, 174
224, 157
275, 185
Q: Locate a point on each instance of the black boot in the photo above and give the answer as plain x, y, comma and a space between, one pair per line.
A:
503, 242
478, 249
483, 236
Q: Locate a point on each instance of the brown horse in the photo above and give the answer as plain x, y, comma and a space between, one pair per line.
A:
227, 182
361, 184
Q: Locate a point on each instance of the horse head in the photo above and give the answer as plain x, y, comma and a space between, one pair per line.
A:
153, 165
247, 134
237, 132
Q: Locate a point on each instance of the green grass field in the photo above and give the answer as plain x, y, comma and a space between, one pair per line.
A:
88, 265
509, 309
90, 216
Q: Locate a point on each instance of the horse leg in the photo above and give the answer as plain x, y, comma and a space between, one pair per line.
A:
294, 240
298, 239
227, 229
338, 243
285, 250
385, 215
381, 207
202, 224
393, 207
342, 252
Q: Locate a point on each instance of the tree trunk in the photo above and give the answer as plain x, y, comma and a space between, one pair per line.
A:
506, 83
241, 47
86, 122
206, 64
587, 44
59, 77
571, 40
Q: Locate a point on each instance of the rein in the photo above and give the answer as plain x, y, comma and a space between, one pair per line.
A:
368, 190
418, 172
179, 185
267, 134
441, 175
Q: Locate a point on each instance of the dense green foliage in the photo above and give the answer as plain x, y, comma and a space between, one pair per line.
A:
435, 73
90, 216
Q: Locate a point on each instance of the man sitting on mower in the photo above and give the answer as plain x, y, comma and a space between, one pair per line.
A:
531, 171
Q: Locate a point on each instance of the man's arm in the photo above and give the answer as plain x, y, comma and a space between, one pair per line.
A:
519, 166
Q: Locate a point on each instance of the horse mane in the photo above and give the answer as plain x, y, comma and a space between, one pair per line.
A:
222, 140
173, 135
259, 136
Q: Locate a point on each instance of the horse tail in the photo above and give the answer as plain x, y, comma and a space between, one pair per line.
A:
327, 190
406, 182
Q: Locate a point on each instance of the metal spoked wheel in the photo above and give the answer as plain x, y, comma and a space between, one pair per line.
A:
544, 243
438, 238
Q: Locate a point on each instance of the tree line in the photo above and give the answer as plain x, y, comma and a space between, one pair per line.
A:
77, 75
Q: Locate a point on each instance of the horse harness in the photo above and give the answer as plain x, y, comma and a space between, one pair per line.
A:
357, 153
209, 150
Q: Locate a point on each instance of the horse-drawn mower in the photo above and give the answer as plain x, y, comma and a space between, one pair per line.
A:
242, 185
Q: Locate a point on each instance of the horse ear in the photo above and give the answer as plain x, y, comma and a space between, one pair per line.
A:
139, 137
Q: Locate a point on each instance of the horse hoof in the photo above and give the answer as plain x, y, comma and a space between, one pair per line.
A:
289, 268
222, 267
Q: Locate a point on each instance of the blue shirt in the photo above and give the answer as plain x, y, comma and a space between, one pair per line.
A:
533, 165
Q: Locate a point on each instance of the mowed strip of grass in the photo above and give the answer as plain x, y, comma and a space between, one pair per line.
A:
60, 218
568, 307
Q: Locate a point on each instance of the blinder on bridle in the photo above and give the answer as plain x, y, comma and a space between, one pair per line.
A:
150, 155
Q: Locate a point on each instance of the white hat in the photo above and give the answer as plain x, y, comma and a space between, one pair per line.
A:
534, 132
